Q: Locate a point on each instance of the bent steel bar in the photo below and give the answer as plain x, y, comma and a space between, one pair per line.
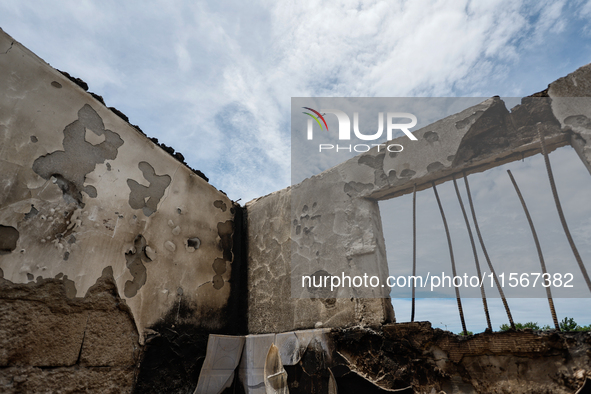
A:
490, 266
414, 248
482, 292
451, 255
571, 242
538, 247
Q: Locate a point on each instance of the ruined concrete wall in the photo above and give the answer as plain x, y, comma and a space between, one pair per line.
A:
330, 222
52, 342
571, 104
433, 360
271, 307
82, 192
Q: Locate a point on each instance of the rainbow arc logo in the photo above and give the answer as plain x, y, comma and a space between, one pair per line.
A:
316, 118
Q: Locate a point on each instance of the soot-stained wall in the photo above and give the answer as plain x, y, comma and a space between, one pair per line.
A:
330, 224
81, 190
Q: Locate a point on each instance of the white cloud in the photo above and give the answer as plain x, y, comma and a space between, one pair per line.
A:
176, 67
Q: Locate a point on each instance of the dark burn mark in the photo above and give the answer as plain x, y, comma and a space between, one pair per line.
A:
225, 231
136, 267
194, 243
34, 139
174, 354
406, 173
8, 239
220, 205
497, 129
431, 136
30, 276
79, 157
371, 161
469, 120
219, 267
33, 212
451, 157
147, 198
56, 84
436, 166
108, 166
66, 256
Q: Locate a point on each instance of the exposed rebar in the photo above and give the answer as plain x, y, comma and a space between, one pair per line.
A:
476, 262
451, 255
559, 209
537, 242
414, 248
490, 266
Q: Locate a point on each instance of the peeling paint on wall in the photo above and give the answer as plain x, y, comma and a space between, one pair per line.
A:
8, 238
147, 198
136, 267
69, 168
85, 190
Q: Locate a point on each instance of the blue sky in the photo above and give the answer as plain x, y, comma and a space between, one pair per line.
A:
214, 79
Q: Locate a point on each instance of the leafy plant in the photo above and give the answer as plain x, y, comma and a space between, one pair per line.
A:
567, 324
520, 326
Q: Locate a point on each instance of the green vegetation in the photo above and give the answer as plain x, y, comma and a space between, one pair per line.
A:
567, 324
467, 333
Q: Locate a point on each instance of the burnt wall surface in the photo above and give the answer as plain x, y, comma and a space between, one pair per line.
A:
84, 193
117, 261
330, 224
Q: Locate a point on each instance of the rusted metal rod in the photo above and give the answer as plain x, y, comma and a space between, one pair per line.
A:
559, 209
542, 263
451, 255
490, 266
469, 228
414, 248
